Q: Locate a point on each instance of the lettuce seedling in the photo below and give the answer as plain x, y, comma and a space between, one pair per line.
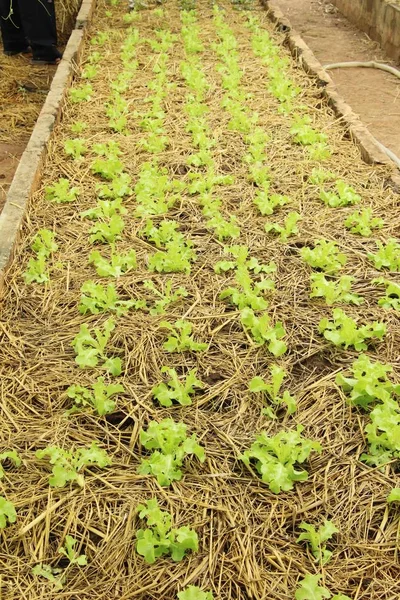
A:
319, 152
90, 72
241, 255
109, 168
7, 512
317, 539
78, 127
276, 458
223, 228
107, 232
75, 148
90, 350
165, 297
248, 294
105, 209
116, 266
109, 149
345, 196
181, 338
368, 382
61, 193
343, 331
288, 229
325, 256
95, 299
387, 257
278, 374
11, 455
383, 433
362, 222
263, 332
267, 203
311, 590
160, 538
69, 551
175, 390
319, 176
82, 93
117, 188
304, 134
52, 574
99, 397
68, 464
392, 296
334, 291
394, 495
43, 245
171, 446
192, 592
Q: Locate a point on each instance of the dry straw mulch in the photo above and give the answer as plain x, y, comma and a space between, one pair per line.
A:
247, 534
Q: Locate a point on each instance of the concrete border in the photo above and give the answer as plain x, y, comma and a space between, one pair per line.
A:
359, 133
27, 175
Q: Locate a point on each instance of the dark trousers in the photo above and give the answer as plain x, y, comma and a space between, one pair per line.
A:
32, 22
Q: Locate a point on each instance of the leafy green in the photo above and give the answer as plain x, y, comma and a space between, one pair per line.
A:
99, 397
107, 232
90, 350
171, 446
278, 374
394, 495
81, 93
343, 331
345, 196
319, 176
241, 255
266, 202
304, 134
7, 512
192, 592
68, 464
174, 390
311, 590
166, 297
181, 338
119, 263
317, 538
108, 168
248, 294
362, 222
96, 298
392, 295
288, 229
117, 188
69, 551
75, 148
325, 256
387, 257
262, 331
105, 209
160, 538
276, 458
383, 433
43, 245
9, 455
49, 573
369, 382
334, 291
61, 193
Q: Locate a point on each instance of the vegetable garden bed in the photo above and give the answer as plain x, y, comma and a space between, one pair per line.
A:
207, 263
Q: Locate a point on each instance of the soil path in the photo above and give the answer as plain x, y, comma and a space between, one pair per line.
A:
372, 94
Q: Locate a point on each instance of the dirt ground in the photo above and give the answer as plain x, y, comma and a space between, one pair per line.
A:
372, 94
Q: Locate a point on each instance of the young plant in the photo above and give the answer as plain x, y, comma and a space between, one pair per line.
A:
171, 446
334, 291
107, 232
248, 294
263, 332
69, 551
68, 464
368, 382
117, 188
96, 298
105, 209
317, 539
175, 390
276, 458
116, 266
383, 433
82, 93
75, 148
392, 296
345, 196
192, 592
165, 297
362, 222
325, 256
61, 193
7, 512
43, 245
78, 127
288, 229
343, 331
387, 257
267, 203
311, 590
319, 176
181, 338
10, 455
100, 397
107, 168
176, 258
304, 134
160, 538
278, 374
394, 495
241, 256
92, 350
52, 574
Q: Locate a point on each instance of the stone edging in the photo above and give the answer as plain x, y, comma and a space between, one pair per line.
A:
359, 133
27, 175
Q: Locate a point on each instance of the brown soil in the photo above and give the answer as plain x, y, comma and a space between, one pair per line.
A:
372, 94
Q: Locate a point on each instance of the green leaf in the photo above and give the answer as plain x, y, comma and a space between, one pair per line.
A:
334, 291
174, 390
387, 257
69, 551
49, 573
362, 222
317, 539
61, 193
193, 592
311, 590
394, 495
182, 338
325, 256
7, 512
343, 331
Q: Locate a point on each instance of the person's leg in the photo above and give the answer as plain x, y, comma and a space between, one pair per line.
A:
14, 39
39, 22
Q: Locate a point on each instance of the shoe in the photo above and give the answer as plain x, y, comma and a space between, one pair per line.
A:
48, 58
26, 50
